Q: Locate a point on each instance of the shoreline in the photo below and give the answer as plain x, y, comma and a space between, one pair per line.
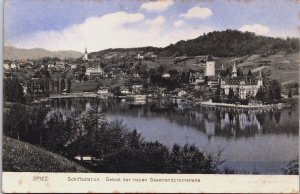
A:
259, 106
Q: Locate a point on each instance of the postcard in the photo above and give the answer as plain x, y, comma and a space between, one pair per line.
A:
162, 96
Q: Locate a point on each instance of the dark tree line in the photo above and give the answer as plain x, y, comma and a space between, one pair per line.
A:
231, 43
115, 147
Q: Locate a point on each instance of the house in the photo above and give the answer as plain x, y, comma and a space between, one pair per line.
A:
153, 56
73, 66
6, 66
94, 72
28, 65
182, 93
137, 87
103, 90
166, 75
140, 57
136, 75
213, 82
60, 65
124, 90
13, 66
196, 78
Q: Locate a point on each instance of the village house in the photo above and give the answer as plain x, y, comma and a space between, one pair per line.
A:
242, 86
13, 66
6, 66
140, 57
166, 75
103, 90
137, 87
124, 90
182, 94
94, 72
73, 66
196, 78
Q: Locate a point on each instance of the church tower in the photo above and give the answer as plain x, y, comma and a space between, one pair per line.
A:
234, 71
85, 57
210, 66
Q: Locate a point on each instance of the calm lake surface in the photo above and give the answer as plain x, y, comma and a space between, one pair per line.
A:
252, 141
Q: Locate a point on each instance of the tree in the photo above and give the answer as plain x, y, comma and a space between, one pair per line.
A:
239, 72
231, 94
290, 93
278, 93
250, 73
13, 91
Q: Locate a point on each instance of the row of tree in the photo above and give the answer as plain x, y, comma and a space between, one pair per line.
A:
114, 147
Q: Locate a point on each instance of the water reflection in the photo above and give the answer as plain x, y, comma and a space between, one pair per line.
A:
213, 122
261, 140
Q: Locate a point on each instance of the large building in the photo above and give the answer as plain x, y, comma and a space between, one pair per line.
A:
242, 86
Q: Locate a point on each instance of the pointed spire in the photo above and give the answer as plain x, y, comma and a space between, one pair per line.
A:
210, 58
260, 75
85, 50
234, 70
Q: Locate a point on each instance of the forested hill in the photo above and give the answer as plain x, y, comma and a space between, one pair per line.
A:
232, 43
221, 43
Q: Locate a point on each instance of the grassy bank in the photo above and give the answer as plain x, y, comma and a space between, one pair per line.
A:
24, 157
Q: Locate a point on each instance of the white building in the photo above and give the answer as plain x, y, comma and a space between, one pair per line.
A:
124, 90
243, 86
182, 93
166, 75
13, 66
102, 90
141, 57
94, 71
210, 66
6, 66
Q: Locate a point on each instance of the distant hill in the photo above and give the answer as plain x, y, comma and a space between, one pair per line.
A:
227, 43
19, 156
13, 53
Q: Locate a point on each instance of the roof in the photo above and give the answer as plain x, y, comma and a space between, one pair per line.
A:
237, 80
210, 58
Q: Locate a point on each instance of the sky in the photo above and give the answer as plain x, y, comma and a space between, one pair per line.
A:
102, 24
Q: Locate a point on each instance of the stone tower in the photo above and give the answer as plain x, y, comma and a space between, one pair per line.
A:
210, 66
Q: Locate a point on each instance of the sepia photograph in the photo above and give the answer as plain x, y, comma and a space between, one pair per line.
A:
174, 87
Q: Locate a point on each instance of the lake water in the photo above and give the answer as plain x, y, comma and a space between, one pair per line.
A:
252, 141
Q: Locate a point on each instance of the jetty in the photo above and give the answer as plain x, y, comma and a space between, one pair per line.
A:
74, 95
240, 106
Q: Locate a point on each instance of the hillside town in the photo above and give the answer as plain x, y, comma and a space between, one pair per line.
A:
126, 77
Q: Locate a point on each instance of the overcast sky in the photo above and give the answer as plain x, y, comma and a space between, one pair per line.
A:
102, 24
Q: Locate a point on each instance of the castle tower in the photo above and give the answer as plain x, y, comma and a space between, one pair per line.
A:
210, 66
85, 57
234, 71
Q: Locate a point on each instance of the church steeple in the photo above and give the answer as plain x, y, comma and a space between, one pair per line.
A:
234, 71
85, 57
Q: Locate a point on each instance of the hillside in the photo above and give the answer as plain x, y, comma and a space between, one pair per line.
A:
19, 156
227, 43
13, 53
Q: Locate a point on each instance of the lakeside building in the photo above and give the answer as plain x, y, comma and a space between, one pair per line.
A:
103, 90
242, 86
